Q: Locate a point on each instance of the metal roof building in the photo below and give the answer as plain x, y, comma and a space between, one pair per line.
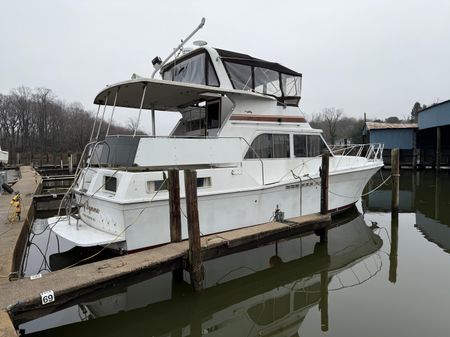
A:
433, 137
392, 135
426, 143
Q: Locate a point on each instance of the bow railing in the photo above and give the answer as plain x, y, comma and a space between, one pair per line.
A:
369, 151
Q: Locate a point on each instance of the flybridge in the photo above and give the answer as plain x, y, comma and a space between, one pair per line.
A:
206, 85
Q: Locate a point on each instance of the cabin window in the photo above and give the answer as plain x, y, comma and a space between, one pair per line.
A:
269, 146
157, 185
204, 182
197, 69
191, 70
163, 185
267, 82
308, 145
291, 85
240, 75
110, 183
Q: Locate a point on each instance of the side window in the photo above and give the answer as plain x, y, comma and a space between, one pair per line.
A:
300, 146
269, 146
110, 183
281, 147
308, 145
315, 146
261, 147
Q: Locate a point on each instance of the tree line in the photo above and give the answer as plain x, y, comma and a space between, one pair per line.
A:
36, 124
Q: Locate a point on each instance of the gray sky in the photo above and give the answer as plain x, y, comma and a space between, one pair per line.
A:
374, 56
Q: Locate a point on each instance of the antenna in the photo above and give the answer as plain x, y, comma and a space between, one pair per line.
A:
200, 26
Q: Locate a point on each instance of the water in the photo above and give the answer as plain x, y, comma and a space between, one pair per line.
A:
377, 276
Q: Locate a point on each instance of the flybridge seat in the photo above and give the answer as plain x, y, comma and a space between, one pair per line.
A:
164, 152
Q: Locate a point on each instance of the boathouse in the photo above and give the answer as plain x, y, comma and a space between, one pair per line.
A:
393, 135
426, 143
433, 137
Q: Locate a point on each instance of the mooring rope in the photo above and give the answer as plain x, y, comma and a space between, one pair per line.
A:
341, 195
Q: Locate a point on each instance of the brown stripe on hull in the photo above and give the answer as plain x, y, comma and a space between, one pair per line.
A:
268, 118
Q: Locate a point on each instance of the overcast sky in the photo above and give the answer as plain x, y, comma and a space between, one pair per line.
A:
377, 56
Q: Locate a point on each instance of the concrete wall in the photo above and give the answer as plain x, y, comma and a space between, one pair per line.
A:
393, 138
434, 116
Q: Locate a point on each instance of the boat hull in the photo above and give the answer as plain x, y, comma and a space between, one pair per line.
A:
136, 226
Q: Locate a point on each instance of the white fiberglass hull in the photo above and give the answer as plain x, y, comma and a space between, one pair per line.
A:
135, 226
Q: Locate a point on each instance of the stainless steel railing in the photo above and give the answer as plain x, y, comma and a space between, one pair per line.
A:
369, 151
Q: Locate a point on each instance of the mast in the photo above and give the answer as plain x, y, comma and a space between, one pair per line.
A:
183, 42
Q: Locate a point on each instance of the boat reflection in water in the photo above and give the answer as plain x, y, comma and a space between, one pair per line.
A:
424, 195
264, 291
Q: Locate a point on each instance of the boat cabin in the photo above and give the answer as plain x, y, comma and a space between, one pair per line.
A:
228, 70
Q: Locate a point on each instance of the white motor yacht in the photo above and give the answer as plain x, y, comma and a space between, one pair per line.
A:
241, 129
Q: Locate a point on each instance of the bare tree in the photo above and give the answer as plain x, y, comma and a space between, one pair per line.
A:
328, 120
35, 122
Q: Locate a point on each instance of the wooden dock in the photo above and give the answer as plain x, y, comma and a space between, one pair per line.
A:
13, 234
22, 298
13, 237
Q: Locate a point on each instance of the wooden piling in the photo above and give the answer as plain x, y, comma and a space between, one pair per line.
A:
395, 171
175, 214
438, 148
393, 254
195, 258
414, 154
324, 173
174, 206
323, 304
70, 163
321, 250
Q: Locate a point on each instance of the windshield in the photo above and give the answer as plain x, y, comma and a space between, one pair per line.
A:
266, 81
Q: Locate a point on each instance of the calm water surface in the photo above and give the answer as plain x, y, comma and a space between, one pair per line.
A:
377, 276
